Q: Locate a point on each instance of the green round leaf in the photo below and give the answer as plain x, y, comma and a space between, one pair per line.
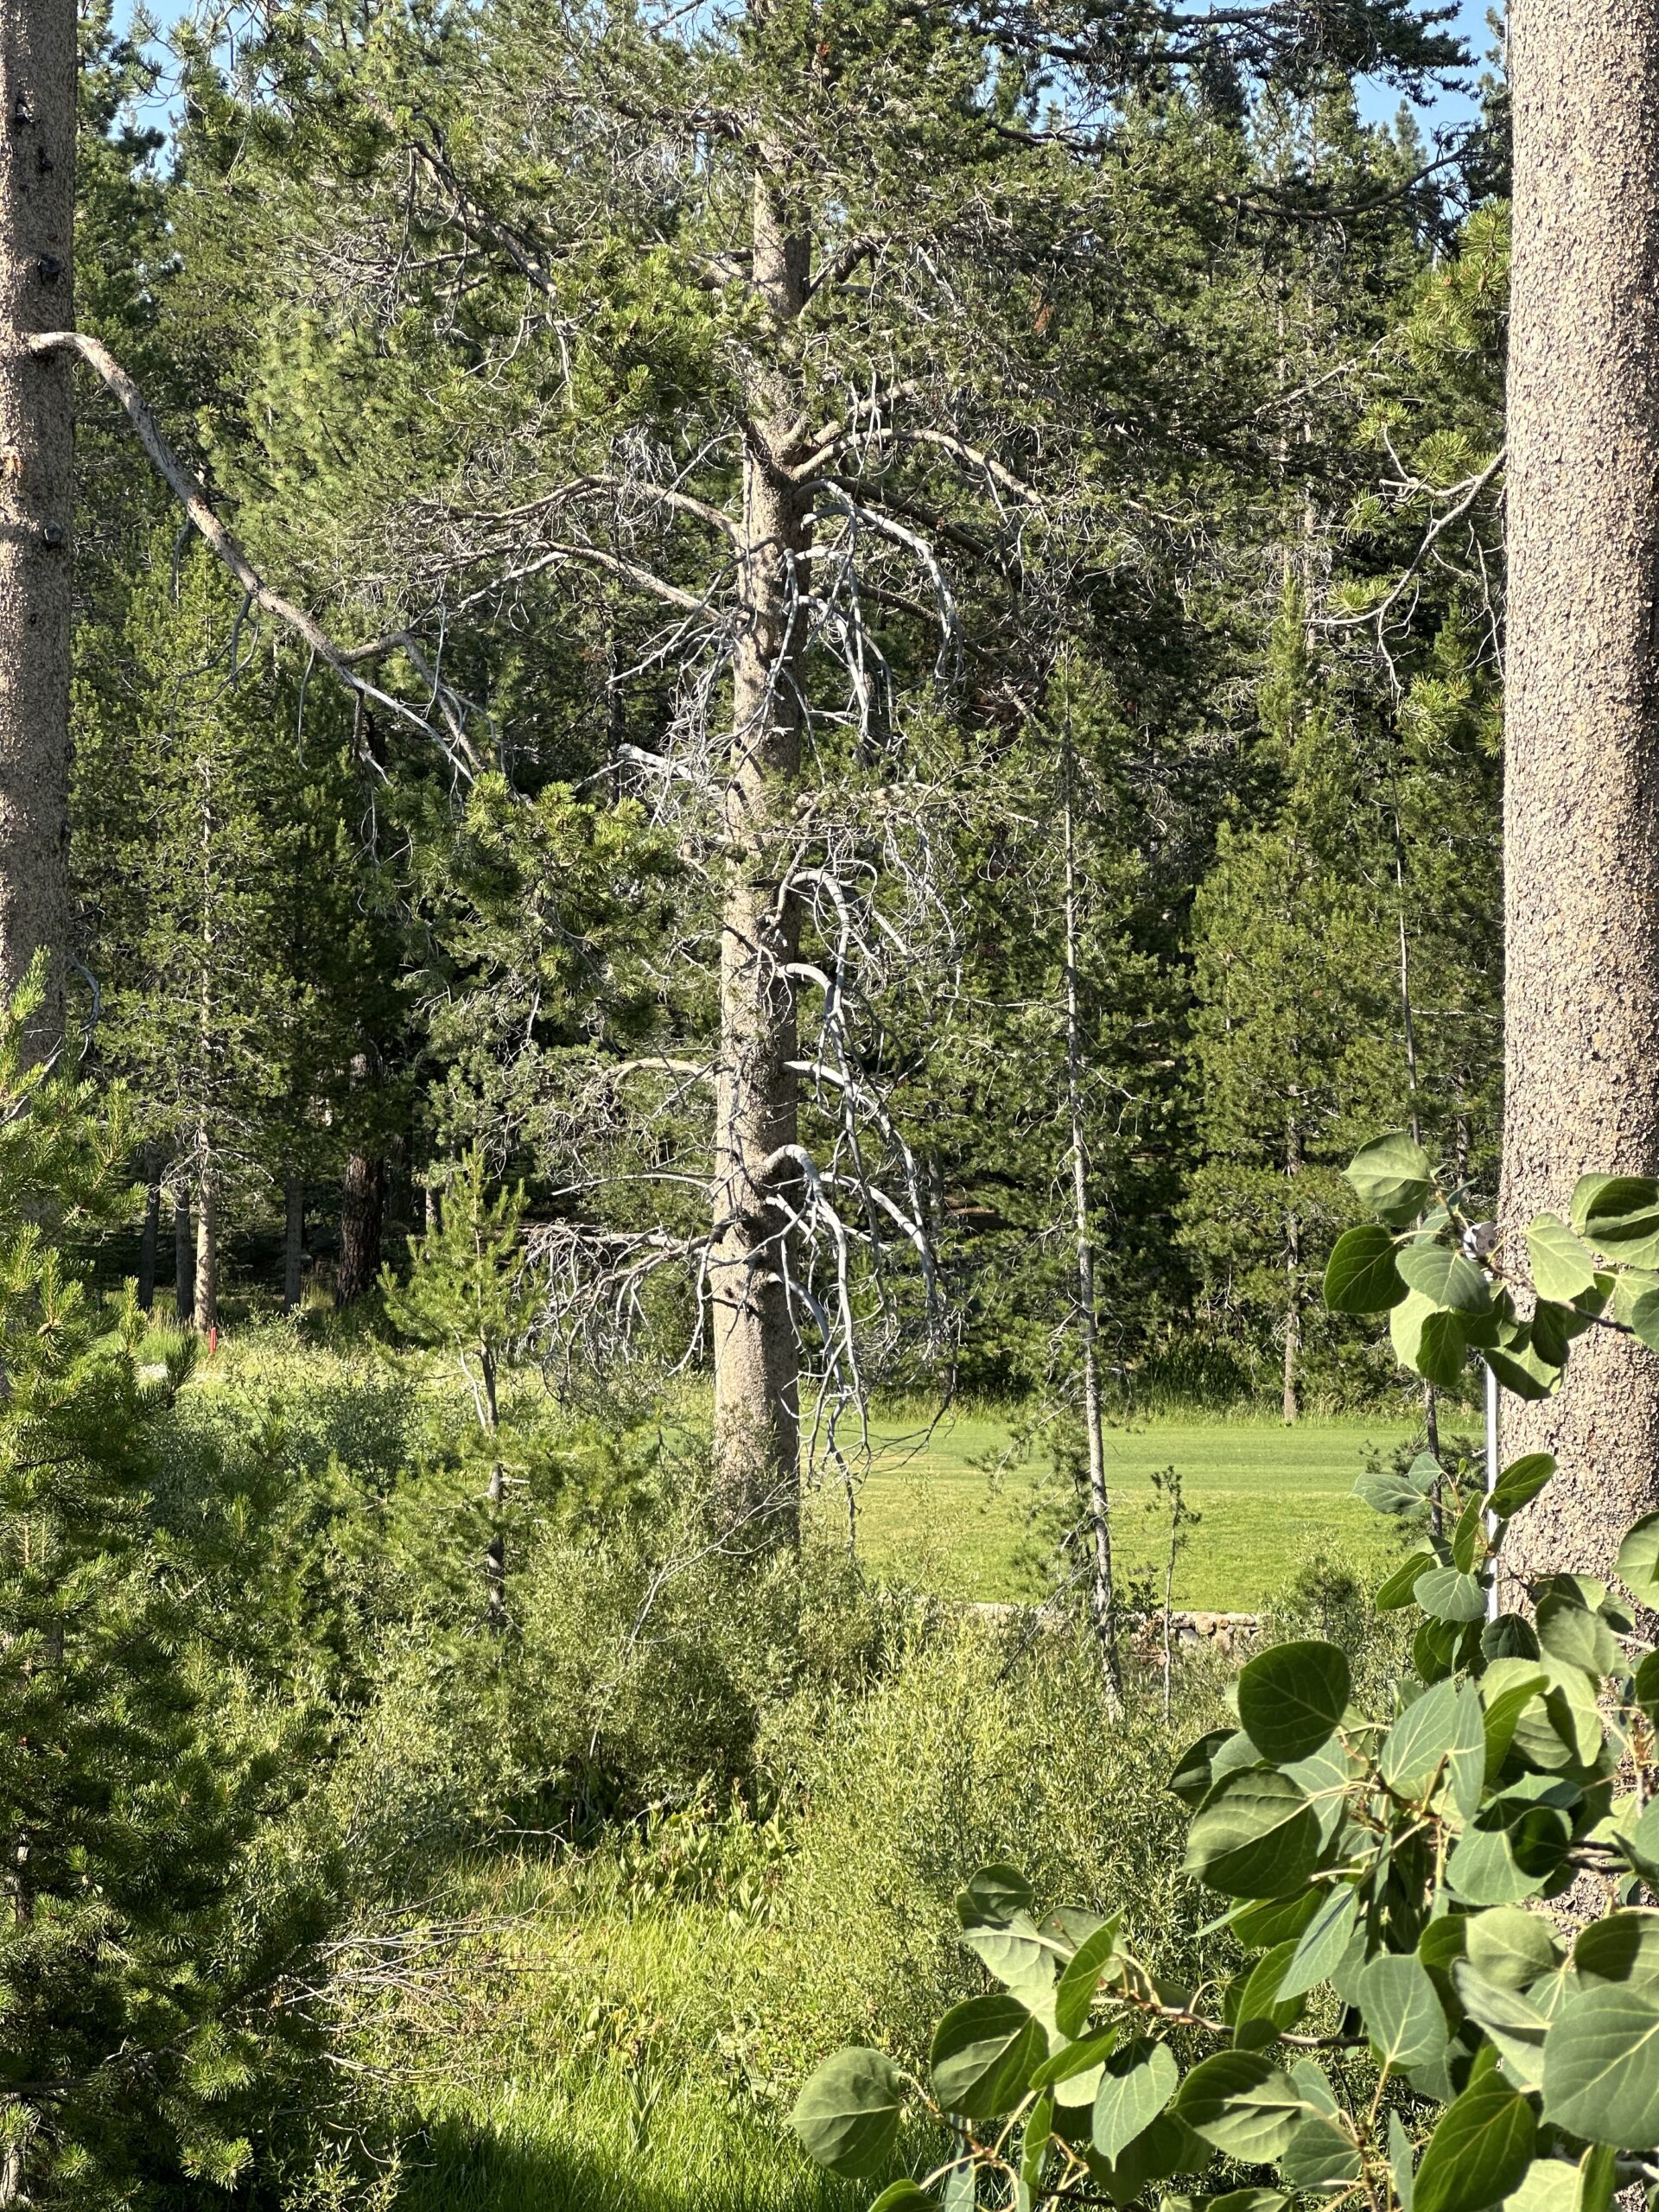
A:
1644, 1317
1549, 2185
1360, 1276
1292, 1698
1320, 2155
1446, 1594
1262, 1999
1619, 1947
1429, 1342
1639, 1556
1421, 1741
1575, 1637
1168, 2146
1478, 2152
1386, 1492
1202, 1765
1259, 1926
1601, 2066
847, 2116
905, 2197
1401, 2013
1620, 1217
984, 2054
1392, 1175
1240, 2101
1257, 1837
1522, 1369
1139, 2080
1561, 1267
1509, 1948
993, 1897
1440, 1274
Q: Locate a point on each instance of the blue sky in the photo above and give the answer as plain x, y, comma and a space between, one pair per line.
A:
1377, 103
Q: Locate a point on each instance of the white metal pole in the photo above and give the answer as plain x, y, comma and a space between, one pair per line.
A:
1492, 1478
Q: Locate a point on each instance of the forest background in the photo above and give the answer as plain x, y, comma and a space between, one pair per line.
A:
1285, 763
469, 1789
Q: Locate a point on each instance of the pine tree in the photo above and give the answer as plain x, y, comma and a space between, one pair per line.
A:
132, 1771
1295, 1052
470, 1293
217, 857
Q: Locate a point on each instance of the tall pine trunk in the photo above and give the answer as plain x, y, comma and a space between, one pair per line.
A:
184, 1256
757, 1428
362, 1216
206, 1314
1581, 798
38, 79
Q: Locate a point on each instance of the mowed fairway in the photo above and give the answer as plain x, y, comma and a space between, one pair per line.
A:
938, 1512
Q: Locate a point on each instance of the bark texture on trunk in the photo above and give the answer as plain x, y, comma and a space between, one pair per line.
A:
757, 1426
184, 1258
1581, 800
293, 1241
38, 79
362, 1213
206, 1298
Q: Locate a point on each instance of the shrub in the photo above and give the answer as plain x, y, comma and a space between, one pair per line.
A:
1410, 2027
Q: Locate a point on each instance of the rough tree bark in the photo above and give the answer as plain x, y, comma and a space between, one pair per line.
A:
362, 1211
184, 1257
38, 79
206, 1310
1581, 802
757, 1426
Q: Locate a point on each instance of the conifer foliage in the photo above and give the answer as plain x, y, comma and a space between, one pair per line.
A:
134, 1768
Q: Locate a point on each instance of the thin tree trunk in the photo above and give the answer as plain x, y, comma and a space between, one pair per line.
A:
152, 1232
1103, 1605
495, 1551
292, 1240
1581, 797
1290, 1404
184, 1257
206, 1299
757, 1429
1409, 1033
39, 75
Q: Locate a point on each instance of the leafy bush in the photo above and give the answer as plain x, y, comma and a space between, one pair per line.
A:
1411, 2025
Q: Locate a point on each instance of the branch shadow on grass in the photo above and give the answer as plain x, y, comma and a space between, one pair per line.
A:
465, 2166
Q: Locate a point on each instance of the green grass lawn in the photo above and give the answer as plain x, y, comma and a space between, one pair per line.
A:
950, 1511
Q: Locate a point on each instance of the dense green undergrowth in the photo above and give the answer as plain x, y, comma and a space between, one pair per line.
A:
562, 1912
